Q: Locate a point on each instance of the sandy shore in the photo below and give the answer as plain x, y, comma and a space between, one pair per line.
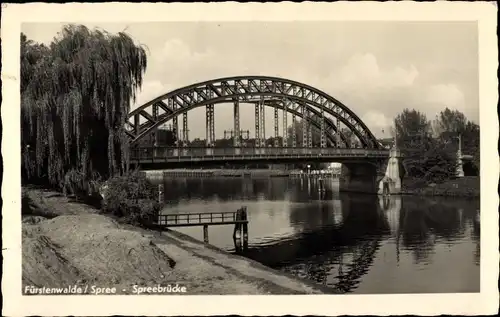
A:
67, 243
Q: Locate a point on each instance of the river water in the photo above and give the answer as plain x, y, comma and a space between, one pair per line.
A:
350, 242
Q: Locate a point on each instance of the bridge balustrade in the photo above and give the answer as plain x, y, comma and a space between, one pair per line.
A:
165, 153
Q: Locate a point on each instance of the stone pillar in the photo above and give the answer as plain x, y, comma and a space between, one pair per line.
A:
460, 165
391, 176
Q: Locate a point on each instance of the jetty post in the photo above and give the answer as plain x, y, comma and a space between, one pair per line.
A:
160, 193
237, 226
240, 233
205, 233
245, 224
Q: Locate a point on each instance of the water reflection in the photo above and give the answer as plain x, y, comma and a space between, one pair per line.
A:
354, 243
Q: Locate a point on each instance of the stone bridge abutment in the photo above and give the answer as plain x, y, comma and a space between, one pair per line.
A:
373, 176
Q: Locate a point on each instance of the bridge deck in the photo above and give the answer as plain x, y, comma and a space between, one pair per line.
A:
200, 219
169, 154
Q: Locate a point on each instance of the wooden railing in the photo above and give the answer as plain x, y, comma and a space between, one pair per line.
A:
200, 219
237, 218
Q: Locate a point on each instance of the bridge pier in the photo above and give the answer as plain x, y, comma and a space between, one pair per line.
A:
380, 177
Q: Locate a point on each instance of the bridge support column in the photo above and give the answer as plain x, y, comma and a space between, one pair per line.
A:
212, 125
236, 137
263, 124
285, 124
322, 128
185, 132
210, 128
257, 125
155, 132
208, 121
175, 122
309, 136
276, 127
338, 139
294, 131
304, 126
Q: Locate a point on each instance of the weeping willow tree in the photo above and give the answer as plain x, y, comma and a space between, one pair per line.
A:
75, 97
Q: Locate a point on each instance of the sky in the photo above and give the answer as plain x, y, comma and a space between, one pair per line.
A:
375, 68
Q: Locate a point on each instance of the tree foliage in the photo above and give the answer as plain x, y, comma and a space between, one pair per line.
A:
449, 124
75, 97
433, 164
131, 197
412, 129
450, 121
430, 149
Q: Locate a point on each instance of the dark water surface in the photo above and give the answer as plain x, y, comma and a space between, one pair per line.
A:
351, 242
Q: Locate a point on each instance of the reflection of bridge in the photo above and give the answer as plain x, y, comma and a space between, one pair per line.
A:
364, 157
358, 235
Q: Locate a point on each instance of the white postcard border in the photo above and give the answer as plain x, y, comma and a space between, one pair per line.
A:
485, 302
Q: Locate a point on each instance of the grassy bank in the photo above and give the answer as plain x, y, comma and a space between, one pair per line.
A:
463, 187
66, 243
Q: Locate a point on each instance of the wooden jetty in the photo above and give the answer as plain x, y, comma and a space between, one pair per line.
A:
237, 218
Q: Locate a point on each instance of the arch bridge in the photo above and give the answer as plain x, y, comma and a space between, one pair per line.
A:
319, 112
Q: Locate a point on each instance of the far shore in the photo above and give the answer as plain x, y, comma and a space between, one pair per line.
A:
468, 186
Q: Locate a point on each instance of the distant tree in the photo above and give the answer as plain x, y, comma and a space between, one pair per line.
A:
430, 148
450, 121
412, 128
471, 142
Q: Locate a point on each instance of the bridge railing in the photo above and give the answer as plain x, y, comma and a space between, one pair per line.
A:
203, 152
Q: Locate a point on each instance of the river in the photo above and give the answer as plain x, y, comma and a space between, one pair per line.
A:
361, 244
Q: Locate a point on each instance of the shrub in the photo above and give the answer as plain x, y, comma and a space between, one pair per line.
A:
131, 197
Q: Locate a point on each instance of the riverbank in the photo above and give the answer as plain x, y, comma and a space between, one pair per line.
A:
68, 243
461, 187
235, 173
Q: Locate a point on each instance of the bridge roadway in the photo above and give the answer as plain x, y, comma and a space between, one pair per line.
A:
145, 156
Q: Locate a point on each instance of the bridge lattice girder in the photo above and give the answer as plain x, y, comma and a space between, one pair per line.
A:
330, 128
249, 89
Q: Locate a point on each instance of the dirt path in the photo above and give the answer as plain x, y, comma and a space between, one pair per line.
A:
67, 243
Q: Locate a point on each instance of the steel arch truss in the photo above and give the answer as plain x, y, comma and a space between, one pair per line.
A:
248, 89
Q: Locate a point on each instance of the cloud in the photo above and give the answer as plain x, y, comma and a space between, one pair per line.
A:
176, 50
377, 122
149, 91
375, 91
363, 71
446, 95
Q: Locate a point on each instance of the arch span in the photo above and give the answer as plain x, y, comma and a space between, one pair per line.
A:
245, 89
330, 128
